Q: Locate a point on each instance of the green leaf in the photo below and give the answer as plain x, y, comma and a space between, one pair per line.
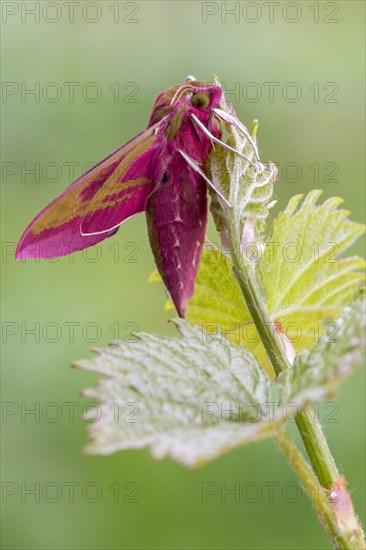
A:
179, 390
248, 187
316, 372
218, 303
314, 289
217, 297
305, 280
195, 397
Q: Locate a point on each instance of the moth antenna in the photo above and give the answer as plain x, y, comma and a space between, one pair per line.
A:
197, 169
232, 120
222, 143
179, 92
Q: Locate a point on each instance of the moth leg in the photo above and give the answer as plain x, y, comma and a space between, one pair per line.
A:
192, 163
216, 140
232, 120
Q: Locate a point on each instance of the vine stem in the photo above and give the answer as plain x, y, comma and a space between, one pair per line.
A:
337, 516
322, 499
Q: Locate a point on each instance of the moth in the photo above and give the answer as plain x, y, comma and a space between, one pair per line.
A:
159, 172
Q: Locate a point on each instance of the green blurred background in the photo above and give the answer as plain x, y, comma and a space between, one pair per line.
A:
139, 49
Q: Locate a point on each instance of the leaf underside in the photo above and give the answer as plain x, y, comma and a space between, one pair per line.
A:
179, 388
198, 396
248, 188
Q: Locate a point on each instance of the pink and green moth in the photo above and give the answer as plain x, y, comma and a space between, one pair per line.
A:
159, 172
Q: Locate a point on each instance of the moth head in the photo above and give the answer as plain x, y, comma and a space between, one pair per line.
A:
200, 99
207, 97
196, 93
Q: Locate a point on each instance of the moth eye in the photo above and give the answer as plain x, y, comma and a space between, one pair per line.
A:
201, 100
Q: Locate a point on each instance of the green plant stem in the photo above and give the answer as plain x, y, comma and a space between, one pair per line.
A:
316, 446
346, 536
307, 423
320, 497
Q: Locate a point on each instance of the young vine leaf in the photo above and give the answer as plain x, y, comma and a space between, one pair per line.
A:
316, 372
195, 397
305, 279
306, 284
178, 396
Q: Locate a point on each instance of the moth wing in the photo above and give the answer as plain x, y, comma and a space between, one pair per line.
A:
176, 219
56, 230
127, 190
